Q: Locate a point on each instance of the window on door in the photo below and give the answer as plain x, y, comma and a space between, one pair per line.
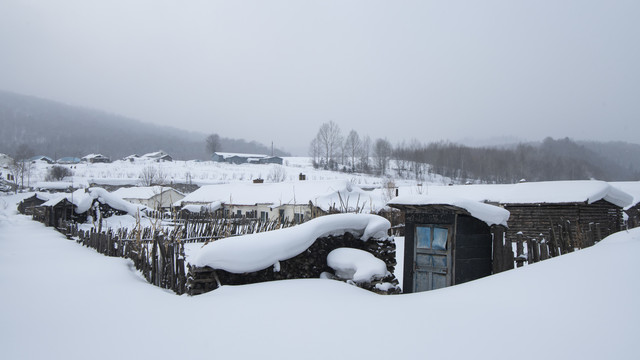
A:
431, 237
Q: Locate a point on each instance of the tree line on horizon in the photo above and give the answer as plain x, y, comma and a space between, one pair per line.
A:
562, 159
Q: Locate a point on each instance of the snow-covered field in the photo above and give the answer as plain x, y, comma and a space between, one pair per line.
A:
206, 172
62, 301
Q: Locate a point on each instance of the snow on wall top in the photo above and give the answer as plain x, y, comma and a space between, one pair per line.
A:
630, 187
258, 251
323, 194
141, 192
546, 192
490, 214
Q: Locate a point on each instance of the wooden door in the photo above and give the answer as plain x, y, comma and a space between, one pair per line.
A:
432, 257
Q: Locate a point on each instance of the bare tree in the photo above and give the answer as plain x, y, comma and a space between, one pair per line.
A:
57, 173
365, 154
314, 152
213, 143
277, 174
382, 151
329, 140
353, 144
151, 175
21, 166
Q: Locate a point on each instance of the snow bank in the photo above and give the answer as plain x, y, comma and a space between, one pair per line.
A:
490, 214
357, 265
285, 319
255, 252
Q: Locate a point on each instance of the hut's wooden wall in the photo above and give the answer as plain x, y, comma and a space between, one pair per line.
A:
634, 216
472, 249
599, 219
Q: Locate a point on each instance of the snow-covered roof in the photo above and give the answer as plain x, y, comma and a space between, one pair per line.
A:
154, 155
94, 156
41, 158
227, 155
323, 194
53, 185
546, 192
84, 199
142, 192
258, 251
630, 187
203, 208
490, 214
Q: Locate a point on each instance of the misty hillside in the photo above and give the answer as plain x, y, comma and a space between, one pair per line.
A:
57, 130
561, 159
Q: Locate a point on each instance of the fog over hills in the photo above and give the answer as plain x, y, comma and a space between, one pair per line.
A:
57, 130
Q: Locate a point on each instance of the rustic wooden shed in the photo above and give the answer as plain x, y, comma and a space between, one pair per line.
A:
448, 242
27, 205
58, 211
576, 212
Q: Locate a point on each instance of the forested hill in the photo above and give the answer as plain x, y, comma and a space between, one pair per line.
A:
57, 130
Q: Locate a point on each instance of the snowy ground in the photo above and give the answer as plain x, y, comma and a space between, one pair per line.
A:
207, 172
62, 301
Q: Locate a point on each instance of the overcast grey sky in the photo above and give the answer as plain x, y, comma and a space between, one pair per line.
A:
275, 70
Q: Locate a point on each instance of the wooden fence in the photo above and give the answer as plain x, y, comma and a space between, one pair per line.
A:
157, 251
160, 260
561, 241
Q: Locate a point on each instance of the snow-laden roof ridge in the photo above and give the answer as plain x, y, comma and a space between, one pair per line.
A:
542, 192
254, 252
630, 187
142, 192
490, 214
229, 154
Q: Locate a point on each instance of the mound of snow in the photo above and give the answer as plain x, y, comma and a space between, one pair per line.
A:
357, 265
255, 252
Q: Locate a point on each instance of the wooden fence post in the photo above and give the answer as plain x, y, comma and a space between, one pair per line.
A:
497, 251
519, 250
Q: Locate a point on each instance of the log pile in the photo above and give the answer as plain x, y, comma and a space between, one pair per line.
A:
309, 264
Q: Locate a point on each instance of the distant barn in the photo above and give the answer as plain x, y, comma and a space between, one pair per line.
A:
239, 158
96, 158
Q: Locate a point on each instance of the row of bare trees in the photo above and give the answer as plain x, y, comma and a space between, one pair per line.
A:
331, 150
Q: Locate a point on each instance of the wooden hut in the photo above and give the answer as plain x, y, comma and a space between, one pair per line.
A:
576, 212
448, 242
633, 209
57, 211
27, 205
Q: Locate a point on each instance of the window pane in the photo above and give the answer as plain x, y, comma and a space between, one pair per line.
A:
440, 238
423, 237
